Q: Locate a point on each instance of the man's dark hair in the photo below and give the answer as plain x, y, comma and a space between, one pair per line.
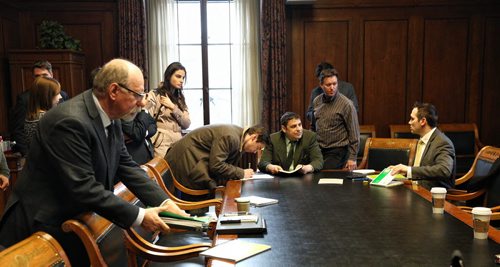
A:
262, 135
287, 116
322, 66
327, 73
42, 64
427, 111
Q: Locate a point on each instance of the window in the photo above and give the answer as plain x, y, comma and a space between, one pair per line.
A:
206, 37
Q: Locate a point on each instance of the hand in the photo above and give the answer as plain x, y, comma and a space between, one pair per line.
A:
172, 207
350, 165
153, 222
307, 169
273, 168
248, 173
165, 101
399, 169
4, 182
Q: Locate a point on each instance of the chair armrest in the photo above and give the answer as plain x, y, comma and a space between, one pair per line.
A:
466, 196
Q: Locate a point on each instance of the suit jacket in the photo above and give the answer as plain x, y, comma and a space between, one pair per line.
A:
18, 117
206, 157
70, 169
345, 88
307, 151
138, 135
438, 162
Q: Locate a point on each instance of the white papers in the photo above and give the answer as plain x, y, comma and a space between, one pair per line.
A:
258, 201
259, 175
235, 250
364, 171
331, 181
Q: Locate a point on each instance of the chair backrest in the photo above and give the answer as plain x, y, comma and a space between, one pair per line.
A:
102, 239
481, 165
382, 152
365, 132
39, 249
465, 138
402, 131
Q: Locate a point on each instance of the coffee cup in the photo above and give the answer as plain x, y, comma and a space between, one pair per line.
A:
481, 221
243, 205
438, 197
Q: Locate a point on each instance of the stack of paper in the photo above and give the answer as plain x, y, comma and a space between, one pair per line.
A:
235, 250
258, 201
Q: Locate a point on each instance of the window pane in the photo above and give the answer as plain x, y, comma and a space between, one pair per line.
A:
219, 66
218, 22
220, 106
190, 57
189, 23
194, 101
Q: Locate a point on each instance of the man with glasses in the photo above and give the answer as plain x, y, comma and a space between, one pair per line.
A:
40, 68
73, 162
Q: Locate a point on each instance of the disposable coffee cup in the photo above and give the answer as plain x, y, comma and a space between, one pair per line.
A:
243, 205
481, 220
438, 197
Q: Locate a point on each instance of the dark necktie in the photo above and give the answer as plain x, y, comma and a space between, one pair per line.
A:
289, 157
111, 134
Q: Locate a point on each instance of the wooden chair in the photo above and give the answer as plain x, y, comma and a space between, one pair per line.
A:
365, 132
481, 166
465, 138
40, 249
402, 131
163, 168
382, 152
106, 244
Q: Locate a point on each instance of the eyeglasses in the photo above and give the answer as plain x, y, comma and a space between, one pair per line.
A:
138, 96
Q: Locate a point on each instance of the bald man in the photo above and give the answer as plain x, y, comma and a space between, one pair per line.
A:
74, 160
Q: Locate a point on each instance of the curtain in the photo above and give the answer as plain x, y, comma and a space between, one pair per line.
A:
132, 35
273, 64
162, 37
245, 68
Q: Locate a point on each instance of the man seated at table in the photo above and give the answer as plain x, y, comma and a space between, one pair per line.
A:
207, 156
435, 158
290, 147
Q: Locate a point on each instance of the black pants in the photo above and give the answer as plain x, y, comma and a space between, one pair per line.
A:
335, 158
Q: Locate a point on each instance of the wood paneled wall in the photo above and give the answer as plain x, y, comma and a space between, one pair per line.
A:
399, 52
94, 23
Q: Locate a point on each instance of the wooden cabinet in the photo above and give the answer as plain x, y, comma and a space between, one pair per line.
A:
68, 68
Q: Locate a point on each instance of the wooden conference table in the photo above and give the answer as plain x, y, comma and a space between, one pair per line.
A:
355, 224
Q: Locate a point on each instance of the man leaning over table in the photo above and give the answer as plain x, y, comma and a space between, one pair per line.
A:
435, 158
73, 161
293, 140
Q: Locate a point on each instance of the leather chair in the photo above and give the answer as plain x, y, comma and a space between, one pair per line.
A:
365, 132
382, 152
39, 249
402, 131
482, 181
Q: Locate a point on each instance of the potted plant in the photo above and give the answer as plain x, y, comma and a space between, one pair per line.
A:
52, 36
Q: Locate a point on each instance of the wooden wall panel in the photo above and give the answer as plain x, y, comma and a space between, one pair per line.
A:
490, 108
445, 67
385, 61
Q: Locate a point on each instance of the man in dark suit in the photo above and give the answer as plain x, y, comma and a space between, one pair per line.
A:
435, 158
138, 135
207, 156
73, 160
40, 68
293, 140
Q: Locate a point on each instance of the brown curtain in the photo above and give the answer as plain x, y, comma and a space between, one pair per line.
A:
273, 58
132, 33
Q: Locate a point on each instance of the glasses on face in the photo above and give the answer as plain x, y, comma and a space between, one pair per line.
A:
138, 96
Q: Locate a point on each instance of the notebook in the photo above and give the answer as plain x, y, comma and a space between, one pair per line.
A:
385, 179
235, 250
258, 201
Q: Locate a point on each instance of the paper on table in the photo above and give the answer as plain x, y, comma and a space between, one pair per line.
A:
259, 175
235, 250
258, 201
364, 171
331, 181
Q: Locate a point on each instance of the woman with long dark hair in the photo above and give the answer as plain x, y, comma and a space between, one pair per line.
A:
168, 106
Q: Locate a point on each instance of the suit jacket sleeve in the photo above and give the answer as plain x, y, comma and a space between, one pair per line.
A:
222, 154
351, 94
439, 161
69, 142
267, 156
314, 152
137, 129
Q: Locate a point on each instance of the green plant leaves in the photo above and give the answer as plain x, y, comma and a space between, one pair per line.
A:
52, 36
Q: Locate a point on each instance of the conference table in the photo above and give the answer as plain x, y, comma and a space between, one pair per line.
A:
355, 224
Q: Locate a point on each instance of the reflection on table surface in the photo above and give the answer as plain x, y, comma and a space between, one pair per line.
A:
355, 224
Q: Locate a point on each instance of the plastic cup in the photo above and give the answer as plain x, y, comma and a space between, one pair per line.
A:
243, 205
438, 197
481, 220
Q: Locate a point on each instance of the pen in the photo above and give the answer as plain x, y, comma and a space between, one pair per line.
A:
237, 221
